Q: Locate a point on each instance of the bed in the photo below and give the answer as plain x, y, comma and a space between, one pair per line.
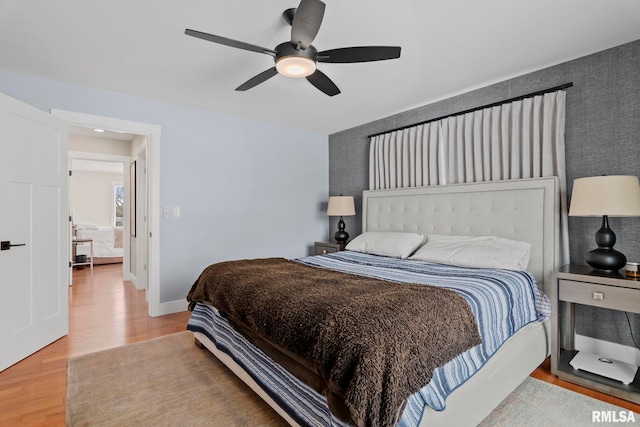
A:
522, 210
107, 242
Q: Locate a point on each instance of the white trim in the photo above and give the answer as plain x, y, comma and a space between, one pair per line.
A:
608, 349
153, 183
173, 307
133, 280
82, 155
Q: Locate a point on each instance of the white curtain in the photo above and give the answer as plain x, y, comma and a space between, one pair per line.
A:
411, 157
521, 139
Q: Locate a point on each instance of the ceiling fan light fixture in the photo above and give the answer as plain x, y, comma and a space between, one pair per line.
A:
295, 66
297, 57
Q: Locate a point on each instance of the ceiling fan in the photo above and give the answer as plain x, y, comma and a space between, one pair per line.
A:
298, 58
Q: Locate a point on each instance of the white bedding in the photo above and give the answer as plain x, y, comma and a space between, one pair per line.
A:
104, 239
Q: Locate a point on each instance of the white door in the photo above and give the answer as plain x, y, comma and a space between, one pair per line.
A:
34, 218
141, 220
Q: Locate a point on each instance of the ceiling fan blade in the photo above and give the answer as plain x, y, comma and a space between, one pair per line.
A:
324, 83
229, 42
359, 54
306, 22
260, 78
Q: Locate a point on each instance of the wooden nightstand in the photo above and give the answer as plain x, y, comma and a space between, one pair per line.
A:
580, 284
328, 247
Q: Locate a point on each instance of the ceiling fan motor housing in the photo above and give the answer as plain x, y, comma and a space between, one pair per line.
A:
288, 49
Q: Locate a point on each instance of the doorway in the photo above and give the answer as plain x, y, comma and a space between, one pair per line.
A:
97, 188
150, 233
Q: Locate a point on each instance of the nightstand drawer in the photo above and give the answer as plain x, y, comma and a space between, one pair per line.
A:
613, 297
327, 248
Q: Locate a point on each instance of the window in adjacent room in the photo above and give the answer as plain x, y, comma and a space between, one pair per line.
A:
117, 203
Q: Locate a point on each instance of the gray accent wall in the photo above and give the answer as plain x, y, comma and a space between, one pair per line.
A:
602, 137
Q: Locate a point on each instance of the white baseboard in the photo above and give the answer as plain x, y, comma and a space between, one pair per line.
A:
136, 283
608, 349
128, 276
172, 307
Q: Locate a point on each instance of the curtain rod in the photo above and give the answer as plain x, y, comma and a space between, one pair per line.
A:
495, 104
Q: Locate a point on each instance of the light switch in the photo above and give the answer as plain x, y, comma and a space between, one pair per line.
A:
165, 212
176, 211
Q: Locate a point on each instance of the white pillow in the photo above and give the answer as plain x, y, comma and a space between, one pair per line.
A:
475, 251
86, 226
388, 243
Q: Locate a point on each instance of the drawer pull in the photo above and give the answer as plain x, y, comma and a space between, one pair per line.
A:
598, 296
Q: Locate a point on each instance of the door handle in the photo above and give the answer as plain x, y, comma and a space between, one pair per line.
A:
6, 245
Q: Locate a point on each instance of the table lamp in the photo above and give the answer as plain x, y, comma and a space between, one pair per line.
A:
341, 206
615, 196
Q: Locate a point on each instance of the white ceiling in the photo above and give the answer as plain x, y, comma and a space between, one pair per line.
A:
448, 47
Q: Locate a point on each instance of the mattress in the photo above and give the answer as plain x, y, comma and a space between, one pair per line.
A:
503, 302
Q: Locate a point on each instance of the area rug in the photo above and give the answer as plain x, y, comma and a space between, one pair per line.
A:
168, 381
536, 403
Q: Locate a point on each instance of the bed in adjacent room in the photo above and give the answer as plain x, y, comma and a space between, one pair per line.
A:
107, 242
454, 350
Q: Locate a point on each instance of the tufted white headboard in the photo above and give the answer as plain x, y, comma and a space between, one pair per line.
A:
526, 210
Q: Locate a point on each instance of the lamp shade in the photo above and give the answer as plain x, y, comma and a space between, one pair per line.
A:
341, 206
611, 195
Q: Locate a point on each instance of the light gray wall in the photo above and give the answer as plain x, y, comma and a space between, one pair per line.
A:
602, 137
90, 194
246, 189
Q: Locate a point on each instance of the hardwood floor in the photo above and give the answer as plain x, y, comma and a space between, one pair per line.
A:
544, 373
105, 312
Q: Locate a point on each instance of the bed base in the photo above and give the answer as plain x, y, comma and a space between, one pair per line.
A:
202, 340
473, 401
470, 403
107, 260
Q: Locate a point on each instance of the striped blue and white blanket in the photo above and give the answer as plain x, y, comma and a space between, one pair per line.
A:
502, 302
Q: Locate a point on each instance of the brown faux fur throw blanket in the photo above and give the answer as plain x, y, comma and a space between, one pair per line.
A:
376, 342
